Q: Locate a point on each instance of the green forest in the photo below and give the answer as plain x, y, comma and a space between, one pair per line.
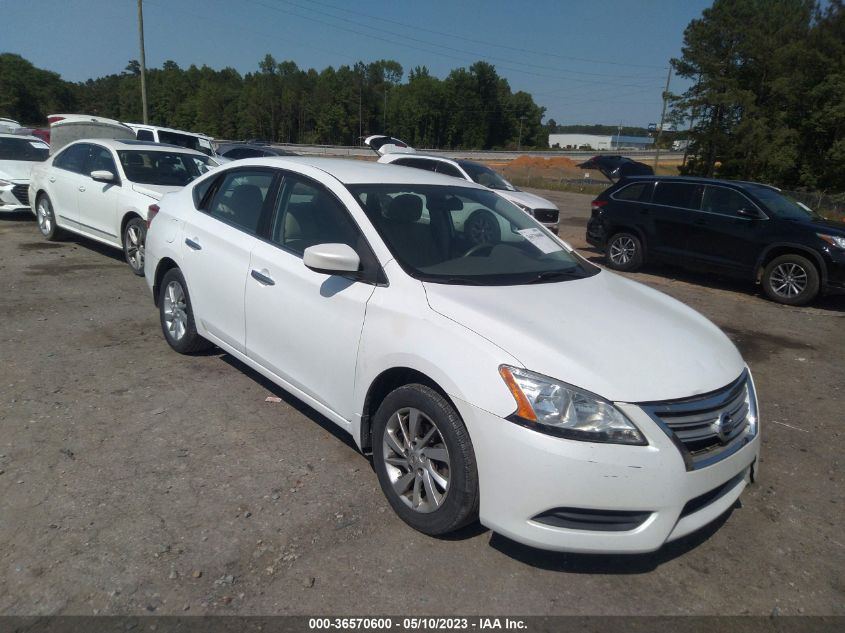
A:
471, 107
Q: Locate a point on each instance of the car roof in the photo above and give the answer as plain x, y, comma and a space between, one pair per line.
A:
740, 184
389, 158
25, 137
351, 171
116, 144
144, 126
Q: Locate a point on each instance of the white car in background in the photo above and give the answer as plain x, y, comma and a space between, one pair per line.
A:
103, 188
158, 134
565, 406
396, 152
18, 154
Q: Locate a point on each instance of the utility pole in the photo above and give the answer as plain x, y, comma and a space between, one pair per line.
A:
384, 113
662, 118
618, 135
143, 61
519, 142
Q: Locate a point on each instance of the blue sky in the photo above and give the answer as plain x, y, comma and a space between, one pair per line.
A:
586, 62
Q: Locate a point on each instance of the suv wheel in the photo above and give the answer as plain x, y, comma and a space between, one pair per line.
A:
177, 316
424, 460
624, 251
791, 279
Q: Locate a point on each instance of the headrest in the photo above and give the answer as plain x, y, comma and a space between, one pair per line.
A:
406, 209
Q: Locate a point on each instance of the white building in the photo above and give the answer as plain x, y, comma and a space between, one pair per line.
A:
599, 142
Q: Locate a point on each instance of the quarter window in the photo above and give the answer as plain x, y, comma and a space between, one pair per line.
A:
638, 192
307, 214
73, 158
678, 194
723, 200
449, 170
240, 198
145, 135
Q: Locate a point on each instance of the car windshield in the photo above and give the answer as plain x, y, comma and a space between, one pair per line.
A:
462, 235
151, 167
782, 206
23, 149
483, 175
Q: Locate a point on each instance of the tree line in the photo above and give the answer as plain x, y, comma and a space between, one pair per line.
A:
471, 108
767, 98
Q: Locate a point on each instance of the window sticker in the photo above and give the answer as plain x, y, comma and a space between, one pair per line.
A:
39, 145
542, 241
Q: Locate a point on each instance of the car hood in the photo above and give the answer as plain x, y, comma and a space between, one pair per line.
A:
16, 169
526, 199
154, 191
829, 226
606, 334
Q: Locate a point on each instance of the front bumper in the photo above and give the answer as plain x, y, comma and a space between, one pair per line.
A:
14, 197
524, 473
835, 278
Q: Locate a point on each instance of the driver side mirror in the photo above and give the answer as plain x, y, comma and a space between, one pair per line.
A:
102, 175
750, 212
331, 258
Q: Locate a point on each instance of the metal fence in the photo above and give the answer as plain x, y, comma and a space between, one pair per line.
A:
828, 205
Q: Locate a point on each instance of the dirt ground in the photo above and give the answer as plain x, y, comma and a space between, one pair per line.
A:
134, 480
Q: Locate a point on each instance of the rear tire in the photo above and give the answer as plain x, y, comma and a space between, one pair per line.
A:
624, 251
482, 228
46, 218
791, 279
177, 315
424, 460
134, 237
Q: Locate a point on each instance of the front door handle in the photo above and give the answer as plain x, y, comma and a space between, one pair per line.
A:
262, 277
82, 187
52, 179
192, 244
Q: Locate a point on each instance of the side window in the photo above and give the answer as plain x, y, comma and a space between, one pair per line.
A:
240, 198
418, 163
101, 160
449, 170
638, 192
307, 214
678, 194
73, 158
724, 201
145, 135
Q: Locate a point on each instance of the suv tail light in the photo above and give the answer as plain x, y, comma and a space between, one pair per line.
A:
597, 204
152, 211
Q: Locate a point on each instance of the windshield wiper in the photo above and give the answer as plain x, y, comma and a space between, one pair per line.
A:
550, 275
460, 281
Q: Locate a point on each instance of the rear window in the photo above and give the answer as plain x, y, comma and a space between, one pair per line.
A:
23, 149
678, 194
638, 192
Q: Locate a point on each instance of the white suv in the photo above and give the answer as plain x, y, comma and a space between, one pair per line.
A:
565, 406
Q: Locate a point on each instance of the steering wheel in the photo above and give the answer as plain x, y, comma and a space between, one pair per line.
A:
477, 247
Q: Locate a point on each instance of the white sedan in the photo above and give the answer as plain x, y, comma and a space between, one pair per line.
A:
563, 405
18, 154
103, 188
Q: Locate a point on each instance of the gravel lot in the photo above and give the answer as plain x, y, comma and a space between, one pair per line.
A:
134, 480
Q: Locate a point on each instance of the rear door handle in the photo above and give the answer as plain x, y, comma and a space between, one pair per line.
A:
192, 244
262, 278
52, 179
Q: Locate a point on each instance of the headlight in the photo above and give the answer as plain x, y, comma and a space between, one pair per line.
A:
752, 418
834, 240
553, 407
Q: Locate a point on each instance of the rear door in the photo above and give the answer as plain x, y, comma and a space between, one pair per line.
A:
673, 212
217, 243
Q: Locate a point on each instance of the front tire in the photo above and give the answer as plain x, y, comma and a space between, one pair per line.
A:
625, 252
47, 218
177, 315
134, 237
424, 460
791, 279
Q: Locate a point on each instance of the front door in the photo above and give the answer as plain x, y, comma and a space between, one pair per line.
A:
302, 325
96, 200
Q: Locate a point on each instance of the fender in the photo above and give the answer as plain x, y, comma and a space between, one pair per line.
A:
792, 246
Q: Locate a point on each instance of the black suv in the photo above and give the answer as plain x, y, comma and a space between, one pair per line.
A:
741, 229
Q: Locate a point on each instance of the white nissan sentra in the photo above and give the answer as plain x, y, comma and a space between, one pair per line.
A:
562, 405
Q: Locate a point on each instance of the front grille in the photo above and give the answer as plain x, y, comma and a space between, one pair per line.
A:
708, 427
21, 192
546, 215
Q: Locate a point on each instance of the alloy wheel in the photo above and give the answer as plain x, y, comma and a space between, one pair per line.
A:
788, 280
622, 250
45, 216
134, 247
416, 460
175, 311
482, 230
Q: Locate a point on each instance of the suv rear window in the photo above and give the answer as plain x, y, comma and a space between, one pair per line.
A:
678, 194
640, 191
